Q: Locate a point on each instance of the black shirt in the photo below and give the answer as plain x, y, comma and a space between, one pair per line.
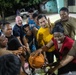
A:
13, 43
18, 32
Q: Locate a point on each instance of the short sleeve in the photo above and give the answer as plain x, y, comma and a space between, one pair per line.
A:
16, 32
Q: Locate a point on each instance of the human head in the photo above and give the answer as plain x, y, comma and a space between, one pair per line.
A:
27, 30
35, 15
58, 32
18, 20
3, 41
6, 29
9, 65
30, 13
42, 20
64, 14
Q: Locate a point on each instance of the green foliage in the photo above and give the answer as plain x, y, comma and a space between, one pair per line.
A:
4, 4
34, 2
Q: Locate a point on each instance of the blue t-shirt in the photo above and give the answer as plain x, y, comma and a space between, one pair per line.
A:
31, 23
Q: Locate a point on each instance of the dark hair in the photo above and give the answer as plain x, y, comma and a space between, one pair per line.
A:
64, 9
58, 28
40, 16
34, 15
24, 26
9, 65
30, 11
3, 24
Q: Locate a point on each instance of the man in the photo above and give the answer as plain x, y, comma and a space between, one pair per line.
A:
44, 36
9, 65
69, 23
36, 25
30, 19
30, 38
13, 43
62, 46
3, 49
17, 30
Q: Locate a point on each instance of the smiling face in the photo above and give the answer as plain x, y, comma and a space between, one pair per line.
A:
18, 21
43, 22
7, 30
64, 15
59, 36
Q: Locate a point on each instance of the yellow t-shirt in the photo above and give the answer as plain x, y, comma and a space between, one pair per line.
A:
43, 37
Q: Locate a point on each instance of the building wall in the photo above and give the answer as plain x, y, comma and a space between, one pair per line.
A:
72, 8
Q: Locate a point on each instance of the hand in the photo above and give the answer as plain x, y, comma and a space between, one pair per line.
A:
49, 23
36, 52
50, 72
17, 52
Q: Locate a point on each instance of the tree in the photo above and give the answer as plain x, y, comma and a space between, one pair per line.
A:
5, 4
33, 2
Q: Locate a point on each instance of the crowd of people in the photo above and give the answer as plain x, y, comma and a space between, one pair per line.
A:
38, 35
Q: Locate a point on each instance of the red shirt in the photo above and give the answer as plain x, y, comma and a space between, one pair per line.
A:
66, 46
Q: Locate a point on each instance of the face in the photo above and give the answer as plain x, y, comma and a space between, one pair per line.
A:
7, 30
27, 31
20, 22
43, 22
3, 41
64, 15
30, 15
59, 36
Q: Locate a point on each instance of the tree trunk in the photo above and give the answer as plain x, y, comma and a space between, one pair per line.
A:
2, 13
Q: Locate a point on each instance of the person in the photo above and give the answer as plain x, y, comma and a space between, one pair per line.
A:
35, 15
18, 32
44, 36
62, 45
30, 37
30, 20
3, 49
18, 12
12, 40
9, 65
66, 60
68, 22
37, 26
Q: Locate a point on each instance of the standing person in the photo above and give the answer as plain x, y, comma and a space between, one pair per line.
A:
37, 26
30, 20
35, 16
69, 23
17, 12
44, 36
